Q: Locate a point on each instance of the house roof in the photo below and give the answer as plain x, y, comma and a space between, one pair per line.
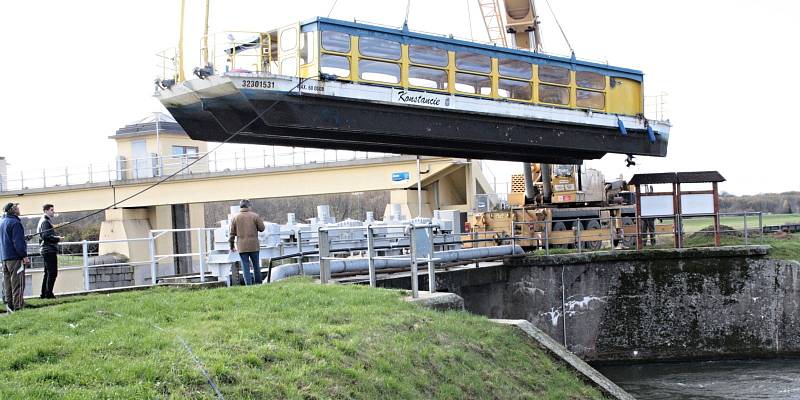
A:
152, 123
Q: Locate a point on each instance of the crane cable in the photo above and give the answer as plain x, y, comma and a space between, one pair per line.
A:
469, 19
332, 7
572, 51
232, 135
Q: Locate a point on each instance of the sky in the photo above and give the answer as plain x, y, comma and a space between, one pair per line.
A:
74, 72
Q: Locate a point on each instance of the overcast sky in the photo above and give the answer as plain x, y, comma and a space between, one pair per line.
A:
73, 72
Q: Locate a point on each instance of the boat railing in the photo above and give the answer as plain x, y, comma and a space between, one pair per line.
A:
655, 107
239, 51
167, 63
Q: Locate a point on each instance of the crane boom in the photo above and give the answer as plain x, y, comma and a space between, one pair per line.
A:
517, 18
490, 10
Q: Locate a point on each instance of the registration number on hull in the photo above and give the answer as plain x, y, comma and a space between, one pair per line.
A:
249, 83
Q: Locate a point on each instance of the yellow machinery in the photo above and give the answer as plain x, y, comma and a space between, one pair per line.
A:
559, 205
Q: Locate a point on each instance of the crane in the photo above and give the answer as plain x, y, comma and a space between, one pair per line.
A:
520, 21
516, 20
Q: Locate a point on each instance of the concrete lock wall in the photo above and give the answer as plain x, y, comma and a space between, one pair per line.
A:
662, 305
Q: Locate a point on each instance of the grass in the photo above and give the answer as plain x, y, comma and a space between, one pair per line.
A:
292, 339
691, 225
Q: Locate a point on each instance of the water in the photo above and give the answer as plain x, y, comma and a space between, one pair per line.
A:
751, 379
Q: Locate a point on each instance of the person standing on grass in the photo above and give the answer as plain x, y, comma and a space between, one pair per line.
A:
14, 251
48, 243
245, 227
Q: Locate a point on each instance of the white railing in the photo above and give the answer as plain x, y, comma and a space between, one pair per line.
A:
158, 166
655, 107
79, 262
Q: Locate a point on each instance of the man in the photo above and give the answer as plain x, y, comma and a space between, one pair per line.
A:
15, 257
48, 243
245, 226
649, 231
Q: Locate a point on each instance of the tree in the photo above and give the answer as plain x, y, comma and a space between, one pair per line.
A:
786, 208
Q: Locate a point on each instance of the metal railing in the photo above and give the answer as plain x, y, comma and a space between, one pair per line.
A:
413, 257
626, 232
157, 166
655, 106
78, 272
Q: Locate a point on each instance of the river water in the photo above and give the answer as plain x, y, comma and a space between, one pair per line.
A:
750, 379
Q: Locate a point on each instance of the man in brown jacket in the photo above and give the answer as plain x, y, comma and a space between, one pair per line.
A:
246, 226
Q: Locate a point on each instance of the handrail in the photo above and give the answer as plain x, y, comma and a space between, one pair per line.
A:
242, 159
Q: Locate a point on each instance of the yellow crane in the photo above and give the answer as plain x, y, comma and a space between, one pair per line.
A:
572, 206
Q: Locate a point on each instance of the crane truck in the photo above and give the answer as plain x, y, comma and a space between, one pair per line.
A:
552, 204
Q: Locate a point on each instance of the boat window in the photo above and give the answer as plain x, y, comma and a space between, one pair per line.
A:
553, 94
307, 48
427, 77
554, 75
515, 68
374, 47
518, 90
591, 80
379, 71
430, 55
288, 39
335, 65
473, 62
336, 41
289, 66
589, 99
473, 84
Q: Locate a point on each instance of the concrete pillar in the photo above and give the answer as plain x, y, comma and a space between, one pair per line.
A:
408, 203
197, 219
471, 191
126, 224
3, 174
160, 217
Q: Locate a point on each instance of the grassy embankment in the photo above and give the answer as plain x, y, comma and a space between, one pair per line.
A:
292, 339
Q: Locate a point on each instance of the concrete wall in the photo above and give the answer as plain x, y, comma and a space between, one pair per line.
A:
671, 304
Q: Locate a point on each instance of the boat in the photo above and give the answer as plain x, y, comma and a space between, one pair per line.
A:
335, 84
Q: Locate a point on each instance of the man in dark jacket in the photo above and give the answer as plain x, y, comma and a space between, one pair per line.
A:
48, 243
15, 257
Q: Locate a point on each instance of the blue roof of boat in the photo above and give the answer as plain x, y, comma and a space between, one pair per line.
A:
450, 43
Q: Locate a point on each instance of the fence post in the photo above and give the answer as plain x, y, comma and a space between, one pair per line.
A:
413, 256
546, 238
761, 227
612, 227
300, 252
513, 237
373, 280
578, 234
745, 228
151, 241
201, 242
324, 256
85, 250
431, 269
44, 179
66, 176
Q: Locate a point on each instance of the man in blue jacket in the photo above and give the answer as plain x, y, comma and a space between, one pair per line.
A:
15, 257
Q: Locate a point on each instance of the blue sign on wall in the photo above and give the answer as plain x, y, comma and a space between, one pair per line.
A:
400, 176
